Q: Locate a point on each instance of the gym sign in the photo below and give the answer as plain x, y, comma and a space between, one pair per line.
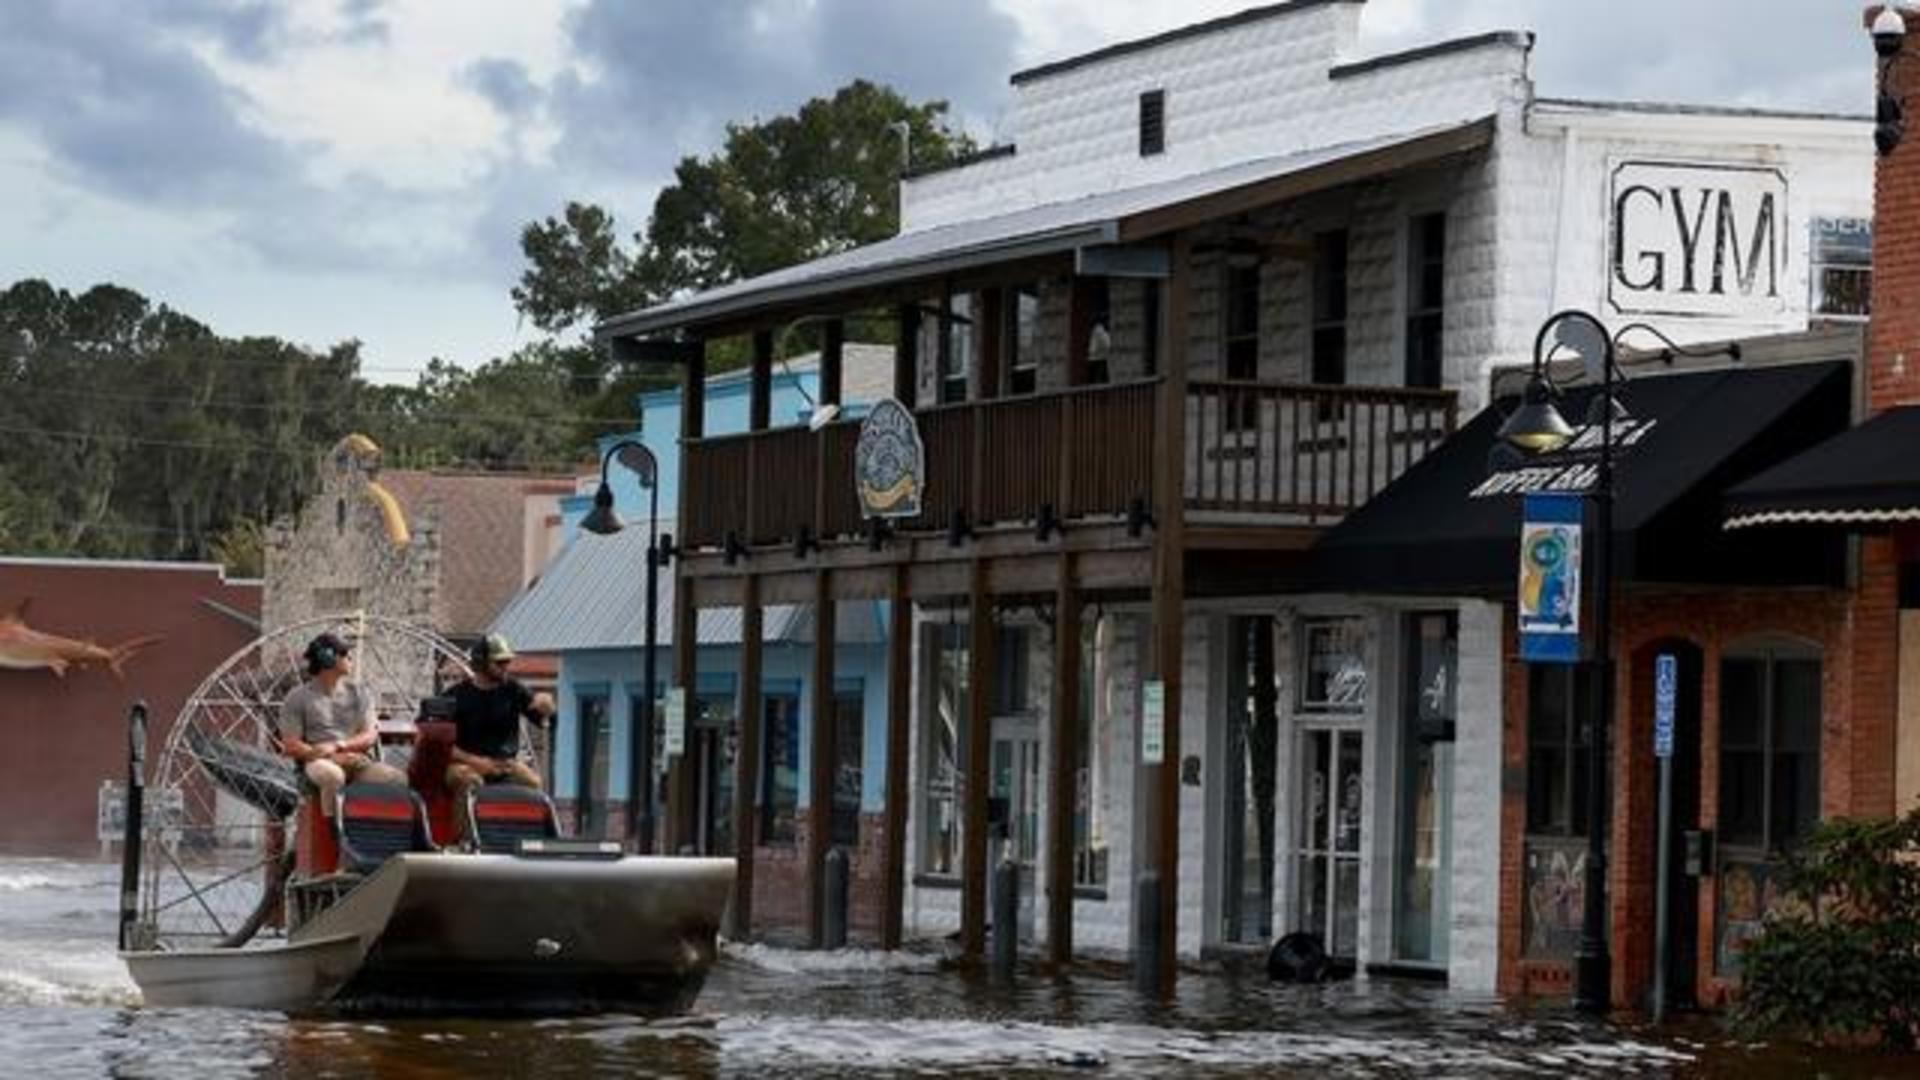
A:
1704, 240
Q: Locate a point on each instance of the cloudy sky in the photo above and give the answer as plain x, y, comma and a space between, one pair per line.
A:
331, 169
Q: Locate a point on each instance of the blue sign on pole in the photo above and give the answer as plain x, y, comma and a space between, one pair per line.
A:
1549, 606
1666, 690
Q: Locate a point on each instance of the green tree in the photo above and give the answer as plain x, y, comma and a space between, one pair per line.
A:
779, 192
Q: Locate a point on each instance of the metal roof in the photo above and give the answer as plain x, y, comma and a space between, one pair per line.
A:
1053, 228
593, 596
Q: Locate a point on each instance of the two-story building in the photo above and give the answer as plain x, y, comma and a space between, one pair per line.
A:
1221, 287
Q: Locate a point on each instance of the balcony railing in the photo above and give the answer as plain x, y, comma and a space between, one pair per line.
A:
1269, 452
1313, 452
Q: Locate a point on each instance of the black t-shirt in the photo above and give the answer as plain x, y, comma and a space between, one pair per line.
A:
487, 721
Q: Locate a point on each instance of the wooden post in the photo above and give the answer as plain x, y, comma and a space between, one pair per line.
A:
899, 785
906, 356
1065, 760
988, 326
686, 617
1079, 324
760, 382
1169, 599
832, 347
746, 761
978, 767
823, 750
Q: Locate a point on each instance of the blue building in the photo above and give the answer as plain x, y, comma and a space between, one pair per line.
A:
587, 609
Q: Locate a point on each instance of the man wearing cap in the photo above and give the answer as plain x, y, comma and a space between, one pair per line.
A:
487, 710
327, 724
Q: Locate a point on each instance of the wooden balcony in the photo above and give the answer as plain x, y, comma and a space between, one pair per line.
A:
1256, 453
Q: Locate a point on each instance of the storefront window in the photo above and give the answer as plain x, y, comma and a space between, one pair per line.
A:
946, 714
596, 751
780, 768
1333, 665
1559, 709
1769, 782
849, 739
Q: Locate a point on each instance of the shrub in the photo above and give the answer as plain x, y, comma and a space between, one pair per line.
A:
1839, 961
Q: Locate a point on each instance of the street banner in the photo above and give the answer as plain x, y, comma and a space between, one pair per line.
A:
1550, 544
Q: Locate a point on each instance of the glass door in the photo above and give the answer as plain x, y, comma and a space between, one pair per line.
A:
1421, 862
1252, 761
1327, 857
1014, 804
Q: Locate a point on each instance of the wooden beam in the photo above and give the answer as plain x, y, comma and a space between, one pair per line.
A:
989, 327
686, 609
746, 762
899, 785
1169, 600
823, 750
760, 382
832, 348
906, 355
1065, 760
979, 772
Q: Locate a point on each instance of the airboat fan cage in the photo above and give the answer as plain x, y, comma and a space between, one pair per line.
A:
218, 838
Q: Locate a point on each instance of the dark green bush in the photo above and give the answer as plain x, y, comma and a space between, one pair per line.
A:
1840, 959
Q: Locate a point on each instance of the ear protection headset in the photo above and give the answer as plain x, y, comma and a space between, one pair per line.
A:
323, 654
478, 655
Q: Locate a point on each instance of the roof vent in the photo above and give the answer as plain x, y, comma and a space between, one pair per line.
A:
1153, 123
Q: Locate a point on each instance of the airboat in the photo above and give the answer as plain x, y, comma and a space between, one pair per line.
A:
238, 892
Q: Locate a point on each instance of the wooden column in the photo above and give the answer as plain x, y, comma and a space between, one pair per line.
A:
899, 784
746, 760
1169, 598
989, 324
1079, 324
978, 778
906, 356
832, 347
1064, 735
760, 382
686, 620
823, 752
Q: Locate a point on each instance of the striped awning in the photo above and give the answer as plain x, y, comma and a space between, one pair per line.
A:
1866, 477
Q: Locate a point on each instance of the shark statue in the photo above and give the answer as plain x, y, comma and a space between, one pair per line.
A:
23, 648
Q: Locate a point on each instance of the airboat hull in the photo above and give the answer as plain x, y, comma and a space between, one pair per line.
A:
481, 934
284, 977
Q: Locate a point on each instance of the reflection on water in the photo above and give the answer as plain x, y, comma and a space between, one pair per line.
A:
68, 1009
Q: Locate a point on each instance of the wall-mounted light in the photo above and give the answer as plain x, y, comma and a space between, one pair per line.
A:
1890, 113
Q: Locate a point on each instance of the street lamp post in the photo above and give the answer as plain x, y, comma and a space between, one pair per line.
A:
1538, 427
603, 521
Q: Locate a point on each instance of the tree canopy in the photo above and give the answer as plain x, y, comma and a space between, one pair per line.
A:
778, 192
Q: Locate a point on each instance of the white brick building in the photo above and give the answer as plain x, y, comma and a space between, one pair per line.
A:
1307, 263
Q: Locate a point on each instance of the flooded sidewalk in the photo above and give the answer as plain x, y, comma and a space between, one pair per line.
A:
68, 1009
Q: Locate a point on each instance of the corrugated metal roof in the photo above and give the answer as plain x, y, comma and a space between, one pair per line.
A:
1040, 230
593, 596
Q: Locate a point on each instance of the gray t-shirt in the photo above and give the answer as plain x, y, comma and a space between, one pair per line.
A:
314, 716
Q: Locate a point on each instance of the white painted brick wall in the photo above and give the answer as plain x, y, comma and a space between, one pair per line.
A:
1261, 89
1474, 940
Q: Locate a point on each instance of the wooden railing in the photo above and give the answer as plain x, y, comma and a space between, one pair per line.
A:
1264, 449
1313, 452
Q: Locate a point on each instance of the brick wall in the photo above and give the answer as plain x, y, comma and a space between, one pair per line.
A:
1713, 621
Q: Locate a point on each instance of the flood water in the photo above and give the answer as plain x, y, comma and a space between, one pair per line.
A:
67, 1008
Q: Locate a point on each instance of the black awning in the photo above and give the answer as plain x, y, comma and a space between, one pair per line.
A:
1868, 476
1451, 524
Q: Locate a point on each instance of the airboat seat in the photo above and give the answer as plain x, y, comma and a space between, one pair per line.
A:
427, 772
505, 814
377, 822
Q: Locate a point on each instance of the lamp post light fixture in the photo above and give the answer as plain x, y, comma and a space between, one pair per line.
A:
1537, 427
603, 521
1889, 33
